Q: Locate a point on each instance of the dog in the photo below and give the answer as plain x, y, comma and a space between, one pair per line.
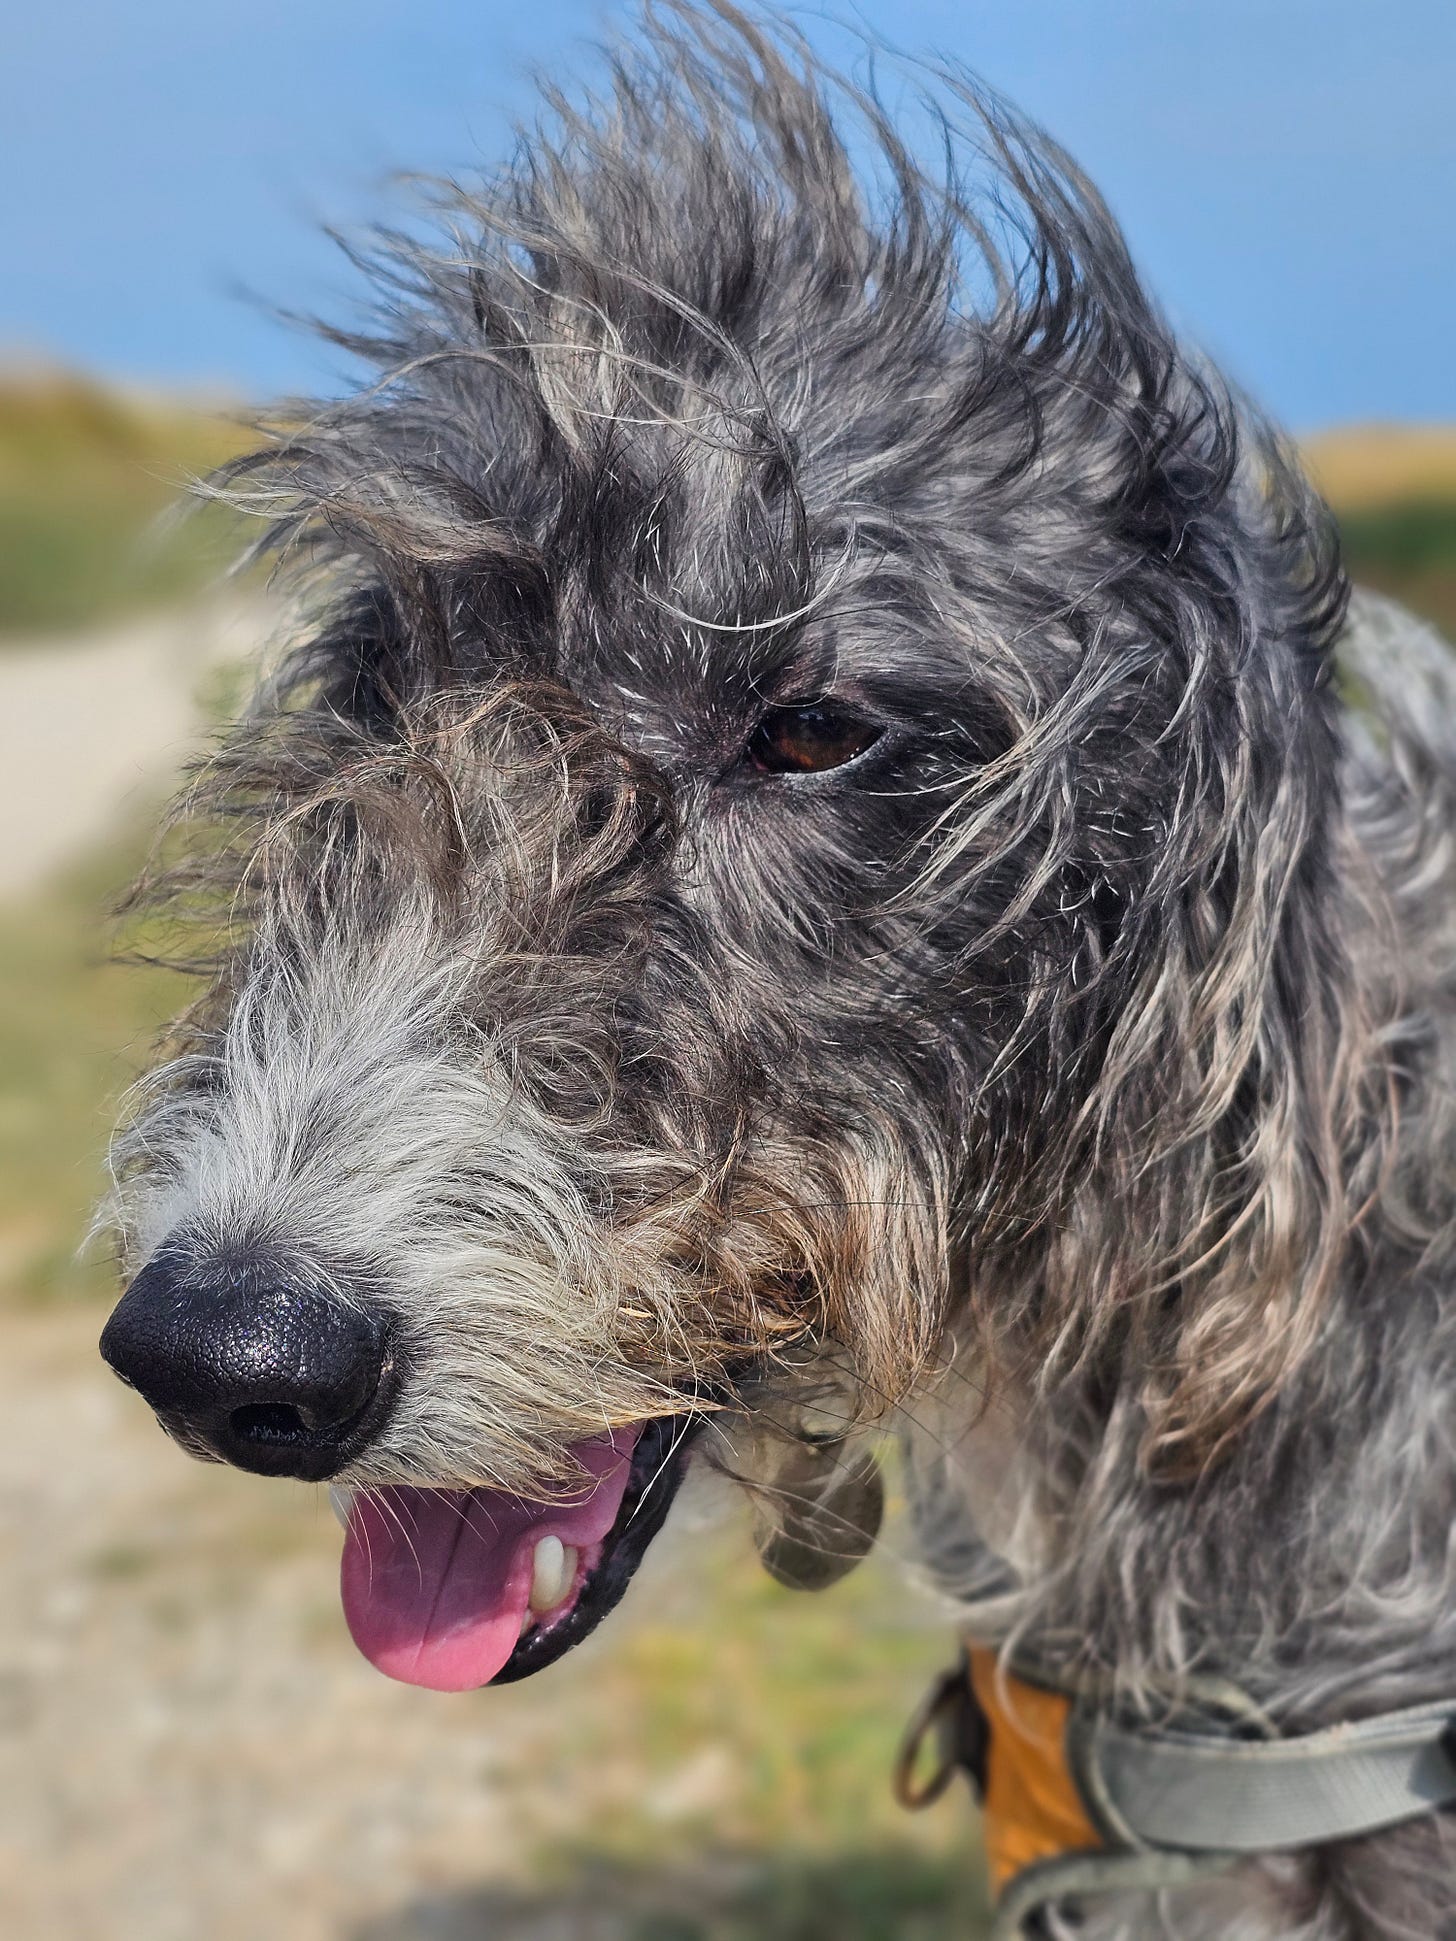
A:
828, 855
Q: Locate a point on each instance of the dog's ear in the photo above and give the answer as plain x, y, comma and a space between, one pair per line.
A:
1228, 1106
1176, 1108
1232, 1051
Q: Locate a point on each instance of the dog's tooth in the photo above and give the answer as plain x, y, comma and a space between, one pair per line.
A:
341, 1502
553, 1572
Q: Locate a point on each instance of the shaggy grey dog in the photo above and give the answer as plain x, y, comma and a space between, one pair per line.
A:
809, 867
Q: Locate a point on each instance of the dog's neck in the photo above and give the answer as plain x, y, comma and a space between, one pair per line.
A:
1313, 1564
1312, 1561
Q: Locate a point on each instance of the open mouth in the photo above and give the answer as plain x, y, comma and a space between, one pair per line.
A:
456, 1588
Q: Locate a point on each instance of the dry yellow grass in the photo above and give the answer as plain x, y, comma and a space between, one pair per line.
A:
1360, 467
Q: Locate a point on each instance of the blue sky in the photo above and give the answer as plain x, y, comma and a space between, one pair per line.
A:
1286, 170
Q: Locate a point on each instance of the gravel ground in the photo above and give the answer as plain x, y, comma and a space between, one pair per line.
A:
190, 1744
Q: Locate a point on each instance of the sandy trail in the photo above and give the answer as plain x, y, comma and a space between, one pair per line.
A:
98, 725
189, 1744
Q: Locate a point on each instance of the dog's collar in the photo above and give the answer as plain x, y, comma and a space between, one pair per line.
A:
1075, 1800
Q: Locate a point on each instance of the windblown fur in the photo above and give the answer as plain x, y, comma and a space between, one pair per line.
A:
1073, 1071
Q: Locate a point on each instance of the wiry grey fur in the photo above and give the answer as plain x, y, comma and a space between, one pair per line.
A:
1074, 1069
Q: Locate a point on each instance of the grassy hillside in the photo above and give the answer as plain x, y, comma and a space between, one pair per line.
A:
85, 479
1394, 488
75, 1029
1364, 468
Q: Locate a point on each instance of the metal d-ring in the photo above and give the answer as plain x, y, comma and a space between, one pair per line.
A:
950, 1718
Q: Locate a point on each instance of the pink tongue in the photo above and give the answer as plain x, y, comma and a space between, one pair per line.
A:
436, 1582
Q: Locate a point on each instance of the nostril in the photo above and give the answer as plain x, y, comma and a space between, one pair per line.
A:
268, 1422
283, 1422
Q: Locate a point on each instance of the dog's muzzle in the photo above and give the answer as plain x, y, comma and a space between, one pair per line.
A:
252, 1365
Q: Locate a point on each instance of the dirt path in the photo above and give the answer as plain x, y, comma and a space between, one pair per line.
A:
190, 1746
92, 726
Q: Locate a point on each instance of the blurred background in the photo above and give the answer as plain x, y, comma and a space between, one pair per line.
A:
189, 1745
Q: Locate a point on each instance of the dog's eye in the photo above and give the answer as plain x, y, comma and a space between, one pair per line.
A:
801, 740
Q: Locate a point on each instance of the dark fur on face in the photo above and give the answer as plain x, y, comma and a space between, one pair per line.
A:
1037, 1030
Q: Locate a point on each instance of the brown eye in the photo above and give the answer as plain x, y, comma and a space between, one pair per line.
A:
802, 740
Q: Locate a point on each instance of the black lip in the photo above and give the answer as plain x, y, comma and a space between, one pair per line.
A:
658, 1464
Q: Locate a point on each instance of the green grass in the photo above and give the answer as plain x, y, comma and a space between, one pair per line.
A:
74, 1030
1407, 549
85, 481
1414, 536
868, 1891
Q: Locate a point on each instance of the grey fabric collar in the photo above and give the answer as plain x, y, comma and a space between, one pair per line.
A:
1174, 1801
1163, 1788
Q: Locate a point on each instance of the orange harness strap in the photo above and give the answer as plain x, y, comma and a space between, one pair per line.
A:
1009, 1735
1032, 1808
1019, 1742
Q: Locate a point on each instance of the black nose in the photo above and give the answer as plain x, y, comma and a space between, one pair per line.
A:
252, 1365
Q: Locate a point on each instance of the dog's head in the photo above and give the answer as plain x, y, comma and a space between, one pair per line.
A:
795, 819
